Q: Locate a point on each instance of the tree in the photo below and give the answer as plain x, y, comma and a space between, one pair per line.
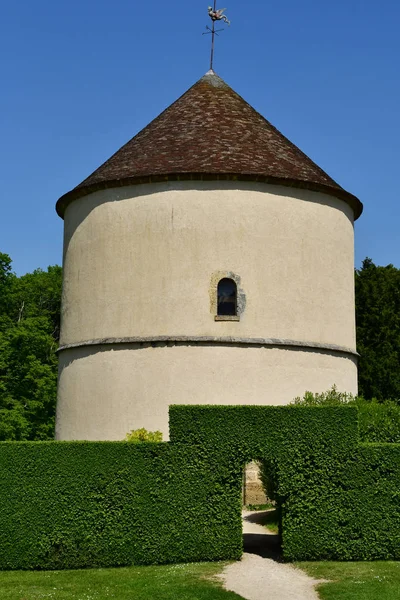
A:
378, 330
29, 331
7, 278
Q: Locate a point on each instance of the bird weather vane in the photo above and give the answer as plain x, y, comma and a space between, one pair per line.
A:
215, 15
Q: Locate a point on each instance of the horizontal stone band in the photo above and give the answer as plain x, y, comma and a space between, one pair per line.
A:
210, 340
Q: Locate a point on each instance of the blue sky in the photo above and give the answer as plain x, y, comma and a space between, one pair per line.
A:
80, 78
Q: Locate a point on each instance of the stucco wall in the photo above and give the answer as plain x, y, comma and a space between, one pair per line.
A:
106, 391
140, 261
144, 261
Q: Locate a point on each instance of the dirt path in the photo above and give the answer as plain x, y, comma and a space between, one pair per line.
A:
259, 576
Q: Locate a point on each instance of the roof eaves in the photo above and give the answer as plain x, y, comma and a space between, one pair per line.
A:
337, 192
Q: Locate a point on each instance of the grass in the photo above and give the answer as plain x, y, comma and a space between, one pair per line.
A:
186, 582
260, 506
345, 581
270, 520
378, 580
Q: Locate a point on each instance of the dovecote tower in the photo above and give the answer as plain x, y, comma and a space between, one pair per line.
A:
208, 261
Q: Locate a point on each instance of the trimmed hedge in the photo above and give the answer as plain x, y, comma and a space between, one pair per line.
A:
97, 504
67, 505
373, 504
379, 421
338, 499
252, 431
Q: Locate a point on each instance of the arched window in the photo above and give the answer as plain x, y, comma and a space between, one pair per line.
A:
227, 297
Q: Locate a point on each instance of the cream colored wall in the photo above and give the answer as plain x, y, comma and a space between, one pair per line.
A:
139, 261
106, 391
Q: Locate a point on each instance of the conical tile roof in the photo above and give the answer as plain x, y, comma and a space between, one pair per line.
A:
210, 133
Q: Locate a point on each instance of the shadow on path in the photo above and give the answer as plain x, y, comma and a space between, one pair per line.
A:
257, 539
261, 573
266, 546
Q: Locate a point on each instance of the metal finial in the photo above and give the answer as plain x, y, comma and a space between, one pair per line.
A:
215, 15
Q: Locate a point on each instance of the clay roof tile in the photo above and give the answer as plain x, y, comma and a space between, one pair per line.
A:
210, 132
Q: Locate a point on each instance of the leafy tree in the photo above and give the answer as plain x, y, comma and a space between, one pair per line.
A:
378, 330
7, 279
5, 272
29, 331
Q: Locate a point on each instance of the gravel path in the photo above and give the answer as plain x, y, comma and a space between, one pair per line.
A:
259, 576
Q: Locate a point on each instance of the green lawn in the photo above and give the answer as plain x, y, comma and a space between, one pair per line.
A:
347, 581
378, 580
171, 582
270, 521
266, 506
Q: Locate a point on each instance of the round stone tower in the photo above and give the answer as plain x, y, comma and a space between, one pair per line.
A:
209, 261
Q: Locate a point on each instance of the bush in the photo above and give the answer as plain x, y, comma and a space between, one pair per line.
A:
142, 435
379, 422
330, 398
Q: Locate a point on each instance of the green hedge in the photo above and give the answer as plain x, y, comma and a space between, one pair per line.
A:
373, 504
86, 504
94, 504
379, 422
339, 499
252, 430
348, 512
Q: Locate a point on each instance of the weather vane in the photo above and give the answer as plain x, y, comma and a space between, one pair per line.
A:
215, 15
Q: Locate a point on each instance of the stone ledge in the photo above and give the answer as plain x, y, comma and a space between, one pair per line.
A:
226, 318
211, 340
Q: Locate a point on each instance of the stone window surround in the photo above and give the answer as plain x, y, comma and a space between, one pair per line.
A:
241, 297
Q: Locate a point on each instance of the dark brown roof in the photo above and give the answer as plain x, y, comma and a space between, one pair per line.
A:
210, 133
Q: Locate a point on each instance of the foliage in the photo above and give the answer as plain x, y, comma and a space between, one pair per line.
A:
260, 507
378, 421
378, 330
268, 477
100, 504
336, 498
142, 435
332, 397
70, 505
186, 582
372, 502
271, 520
6, 281
29, 330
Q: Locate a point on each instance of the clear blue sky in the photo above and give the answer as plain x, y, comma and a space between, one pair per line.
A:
79, 78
